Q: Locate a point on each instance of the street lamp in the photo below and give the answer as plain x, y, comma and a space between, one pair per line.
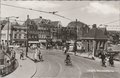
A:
8, 18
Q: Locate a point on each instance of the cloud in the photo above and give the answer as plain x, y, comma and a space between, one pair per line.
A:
101, 8
37, 4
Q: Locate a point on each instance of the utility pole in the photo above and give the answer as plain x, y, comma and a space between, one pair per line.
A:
0, 26
27, 35
76, 30
8, 34
75, 43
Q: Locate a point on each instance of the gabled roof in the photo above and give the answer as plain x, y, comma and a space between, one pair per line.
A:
37, 20
10, 24
95, 33
55, 23
41, 21
104, 30
3, 23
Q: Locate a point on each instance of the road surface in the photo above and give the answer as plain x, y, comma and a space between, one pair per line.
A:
54, 67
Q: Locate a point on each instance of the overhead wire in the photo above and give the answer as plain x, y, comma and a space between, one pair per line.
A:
49, 13
36, 10
113, 21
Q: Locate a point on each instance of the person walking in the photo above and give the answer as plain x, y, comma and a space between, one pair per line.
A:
36, 55
111, 60
75, 48
66, 48
22, 54
40, 55
13, 54
103, 59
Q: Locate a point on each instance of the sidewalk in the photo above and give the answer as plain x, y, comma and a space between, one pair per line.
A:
26, 69
85, 55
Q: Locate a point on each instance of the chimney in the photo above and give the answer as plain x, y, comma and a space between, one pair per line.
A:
94, 26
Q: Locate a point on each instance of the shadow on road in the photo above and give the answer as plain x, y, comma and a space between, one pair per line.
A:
89, 58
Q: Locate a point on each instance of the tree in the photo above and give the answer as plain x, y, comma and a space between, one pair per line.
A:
115, 38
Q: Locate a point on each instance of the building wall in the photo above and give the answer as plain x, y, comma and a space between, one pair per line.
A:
4, 36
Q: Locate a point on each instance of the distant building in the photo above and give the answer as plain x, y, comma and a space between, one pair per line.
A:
78, 29
40, 29
48, 28
4, 32
55, 30
94, 40
19, 34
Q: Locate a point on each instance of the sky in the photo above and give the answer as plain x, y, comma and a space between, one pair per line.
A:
88, 12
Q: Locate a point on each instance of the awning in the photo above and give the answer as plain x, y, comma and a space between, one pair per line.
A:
33, 41
42, 40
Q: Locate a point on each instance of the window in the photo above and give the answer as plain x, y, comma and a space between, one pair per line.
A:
25, 36
24, 30
15, 36
19, 36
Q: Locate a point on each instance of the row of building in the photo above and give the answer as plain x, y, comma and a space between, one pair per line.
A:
40, 29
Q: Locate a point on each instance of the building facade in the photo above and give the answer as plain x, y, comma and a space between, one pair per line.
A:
76, 30
48, 29
27, 31
94, 40
19, 34
39, 30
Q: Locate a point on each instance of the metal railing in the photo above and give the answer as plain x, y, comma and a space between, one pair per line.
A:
9, 68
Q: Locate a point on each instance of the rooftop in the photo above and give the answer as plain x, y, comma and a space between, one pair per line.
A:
95, 33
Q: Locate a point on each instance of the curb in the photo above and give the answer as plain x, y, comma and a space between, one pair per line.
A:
34, 73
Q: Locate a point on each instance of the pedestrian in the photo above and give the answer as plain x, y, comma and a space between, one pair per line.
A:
63, 46
75, 48
66, 48
103, 59
3, 44
36, 55
111, 60
40, 55
13, 54
22, 54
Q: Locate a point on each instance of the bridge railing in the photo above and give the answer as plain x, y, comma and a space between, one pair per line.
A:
9, 68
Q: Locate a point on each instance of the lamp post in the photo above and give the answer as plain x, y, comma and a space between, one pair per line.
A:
27, 23
76, 30
8, 18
